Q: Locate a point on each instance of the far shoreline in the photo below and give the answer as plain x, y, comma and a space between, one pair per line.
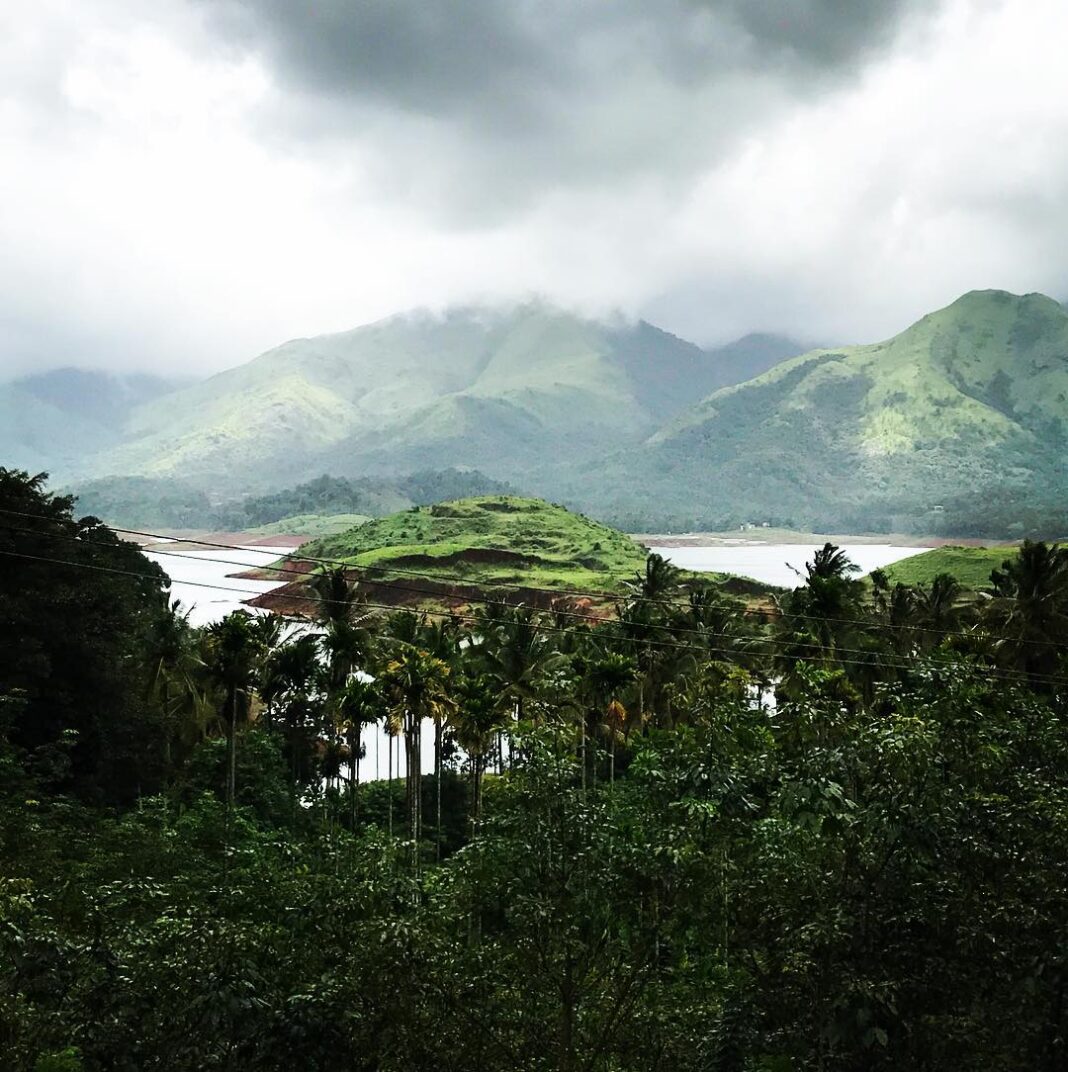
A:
196, 539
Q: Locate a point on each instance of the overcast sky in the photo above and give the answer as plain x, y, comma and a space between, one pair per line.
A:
184, 183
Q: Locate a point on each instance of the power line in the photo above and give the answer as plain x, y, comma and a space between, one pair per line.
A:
671, 628
998, 673
555, 592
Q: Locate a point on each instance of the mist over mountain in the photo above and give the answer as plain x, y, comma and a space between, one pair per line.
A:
920, 432
59, 420
968, 403
500, 389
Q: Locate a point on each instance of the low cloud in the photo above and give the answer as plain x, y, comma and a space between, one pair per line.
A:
190, 182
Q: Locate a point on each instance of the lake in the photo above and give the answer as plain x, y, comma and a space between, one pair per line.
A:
771, 563
764, 562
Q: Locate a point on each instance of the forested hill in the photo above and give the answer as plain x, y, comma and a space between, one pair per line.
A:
499, 389
966, 406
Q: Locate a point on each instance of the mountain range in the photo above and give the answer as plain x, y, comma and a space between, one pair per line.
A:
492, 388
619, 418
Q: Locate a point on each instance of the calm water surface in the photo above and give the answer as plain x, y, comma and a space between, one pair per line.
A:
200, 580
771, 563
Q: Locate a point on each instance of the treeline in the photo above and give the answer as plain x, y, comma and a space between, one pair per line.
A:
158, 503
826, 833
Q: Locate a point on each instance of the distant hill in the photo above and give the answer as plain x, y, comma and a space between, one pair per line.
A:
498, 389
969, 402
59, 420
310, 508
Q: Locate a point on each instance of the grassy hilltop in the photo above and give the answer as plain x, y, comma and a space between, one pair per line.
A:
492, 539
970, 566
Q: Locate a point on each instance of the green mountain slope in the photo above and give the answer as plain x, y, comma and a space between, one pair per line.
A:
501, 389
969, 399
971, 566
58, 420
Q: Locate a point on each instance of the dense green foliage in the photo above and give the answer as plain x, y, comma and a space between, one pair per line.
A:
666, 870
153, 503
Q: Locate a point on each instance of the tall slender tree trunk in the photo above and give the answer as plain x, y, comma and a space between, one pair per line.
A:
582, 752
354, 774
231, 750
437, 787
389, 778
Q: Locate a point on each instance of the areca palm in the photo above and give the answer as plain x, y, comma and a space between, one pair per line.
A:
232, 650
361, 704
477, 720
417, 683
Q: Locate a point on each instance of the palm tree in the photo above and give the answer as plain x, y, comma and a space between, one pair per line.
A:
174, 674
232, 648
659, 580
417, 683
823, 615
299, 673
939, 609
336, 595
519, 654
477, 720
443, 640
361, 704
605, 678
1028, 610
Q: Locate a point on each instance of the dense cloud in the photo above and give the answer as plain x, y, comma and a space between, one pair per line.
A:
188, 182
479, 106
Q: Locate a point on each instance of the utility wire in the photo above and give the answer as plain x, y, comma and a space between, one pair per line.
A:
998, 673
671, 628
555, 592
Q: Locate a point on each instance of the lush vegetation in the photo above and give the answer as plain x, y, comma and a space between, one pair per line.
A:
969, 566
158, 503
876, 438
491, 539
628, 857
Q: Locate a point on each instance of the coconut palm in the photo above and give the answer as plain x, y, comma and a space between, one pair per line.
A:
1028, 608
175, 666
659, 580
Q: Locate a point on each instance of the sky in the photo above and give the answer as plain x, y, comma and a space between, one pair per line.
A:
186, 183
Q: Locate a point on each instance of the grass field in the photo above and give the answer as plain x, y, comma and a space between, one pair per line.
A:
971, 566
492, 539
311, 525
